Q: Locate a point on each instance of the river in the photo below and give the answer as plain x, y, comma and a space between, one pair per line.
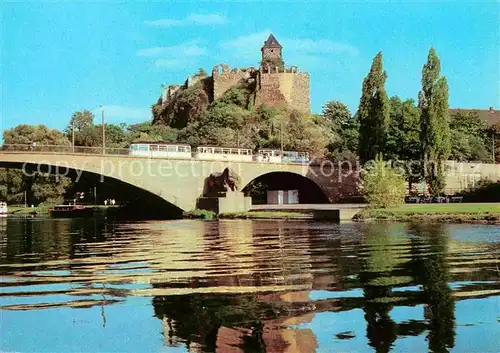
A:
247, 286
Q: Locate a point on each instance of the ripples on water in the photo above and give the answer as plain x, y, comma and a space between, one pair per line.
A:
248, 286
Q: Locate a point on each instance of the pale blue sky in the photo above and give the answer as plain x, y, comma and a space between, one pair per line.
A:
57, 57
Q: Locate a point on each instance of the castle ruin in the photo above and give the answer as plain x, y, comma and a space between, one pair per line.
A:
275, 84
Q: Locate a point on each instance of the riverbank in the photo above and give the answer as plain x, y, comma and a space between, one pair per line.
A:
208, 215
266, 215
44, 209
438, 213
21, 210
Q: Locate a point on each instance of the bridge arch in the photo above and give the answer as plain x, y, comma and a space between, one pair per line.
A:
148, 201
179, 182
309, 190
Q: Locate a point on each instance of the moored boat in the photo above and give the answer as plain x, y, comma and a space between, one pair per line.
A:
71, 210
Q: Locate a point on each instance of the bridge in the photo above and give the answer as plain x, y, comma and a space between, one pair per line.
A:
179, 182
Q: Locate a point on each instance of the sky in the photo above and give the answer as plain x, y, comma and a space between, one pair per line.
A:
61, 57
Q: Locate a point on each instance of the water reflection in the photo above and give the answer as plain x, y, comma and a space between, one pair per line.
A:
254, 286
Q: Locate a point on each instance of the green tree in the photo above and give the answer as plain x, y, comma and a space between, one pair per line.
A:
373, 112
82, 126
39, 188
382, 185
11, 185
81, 120
115, 135
337, 113
435, 133
470, 137
403, 141
344, 131
39, 134
494, 132
150, 132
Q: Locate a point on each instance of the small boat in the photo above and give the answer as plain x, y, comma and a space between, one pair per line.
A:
3, 208
71, 210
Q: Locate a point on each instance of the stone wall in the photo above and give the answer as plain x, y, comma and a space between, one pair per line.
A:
271, 53
463, 176
284, 88
300, 98
168, 92
268, 90
192, 80
226, 79
295, 87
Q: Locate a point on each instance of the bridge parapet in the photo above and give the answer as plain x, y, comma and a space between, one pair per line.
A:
63, 149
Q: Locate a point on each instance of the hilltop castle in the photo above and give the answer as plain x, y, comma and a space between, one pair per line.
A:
274, 84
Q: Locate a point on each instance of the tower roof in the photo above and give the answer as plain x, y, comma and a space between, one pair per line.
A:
272, 42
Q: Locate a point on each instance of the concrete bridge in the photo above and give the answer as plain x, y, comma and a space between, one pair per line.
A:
177, 181
180, 182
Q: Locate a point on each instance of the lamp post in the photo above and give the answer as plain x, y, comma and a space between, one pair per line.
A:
103, 132
281, 136
73, 135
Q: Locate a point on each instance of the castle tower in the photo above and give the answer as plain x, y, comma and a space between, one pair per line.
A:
271, 54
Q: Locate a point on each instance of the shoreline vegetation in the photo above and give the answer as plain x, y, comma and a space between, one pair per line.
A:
431, 213
434, 213
488, 213
44, 209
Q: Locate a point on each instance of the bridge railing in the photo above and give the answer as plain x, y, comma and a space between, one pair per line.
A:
34, 148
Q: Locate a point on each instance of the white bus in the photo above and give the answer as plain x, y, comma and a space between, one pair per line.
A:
160, 150
224, 154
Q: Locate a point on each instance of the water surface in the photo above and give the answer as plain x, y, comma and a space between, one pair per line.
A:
247, 286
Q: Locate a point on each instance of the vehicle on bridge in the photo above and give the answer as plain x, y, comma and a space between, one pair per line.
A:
224, 154
276, 156
214, 153
160, 149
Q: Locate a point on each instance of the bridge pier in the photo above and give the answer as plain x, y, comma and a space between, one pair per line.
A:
231, 202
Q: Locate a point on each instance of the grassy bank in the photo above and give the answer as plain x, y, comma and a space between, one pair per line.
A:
44, 209
443, 213
21, 210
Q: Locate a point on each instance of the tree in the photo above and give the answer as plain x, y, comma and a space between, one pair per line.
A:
494, 132
81, 120
39, 188
403, 141
148, 132
337, 113
382, 185
339, 121
40, 134
470, 137
373, 112
115, 135
82, 126
434, 123
11, 185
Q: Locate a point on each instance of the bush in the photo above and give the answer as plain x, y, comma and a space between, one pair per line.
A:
382, 185
200, 214
485, 191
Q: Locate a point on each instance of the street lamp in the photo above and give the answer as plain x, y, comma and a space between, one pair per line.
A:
73, 135
103, 131
281, 136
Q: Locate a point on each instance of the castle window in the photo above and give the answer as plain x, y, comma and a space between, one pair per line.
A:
272, 50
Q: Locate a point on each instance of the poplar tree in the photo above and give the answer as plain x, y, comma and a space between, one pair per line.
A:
373, 112
434, 123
